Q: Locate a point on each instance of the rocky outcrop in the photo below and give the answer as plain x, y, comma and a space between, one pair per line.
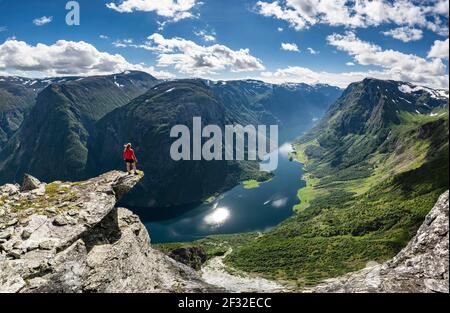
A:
70, 237
30, 183
191, 256
422, 266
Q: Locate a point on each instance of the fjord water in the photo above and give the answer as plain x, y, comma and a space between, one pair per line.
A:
235, 211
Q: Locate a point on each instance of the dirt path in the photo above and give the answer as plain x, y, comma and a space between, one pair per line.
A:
215, 273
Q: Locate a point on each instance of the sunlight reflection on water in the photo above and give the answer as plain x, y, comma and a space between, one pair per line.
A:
217, 217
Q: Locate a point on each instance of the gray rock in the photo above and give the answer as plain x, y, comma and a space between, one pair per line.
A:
12, 222
422, 266
46, 245
15, 254
60, 221
102, 249
30, 183
25, 234
9, 189
51, 210
191, 256
6, 234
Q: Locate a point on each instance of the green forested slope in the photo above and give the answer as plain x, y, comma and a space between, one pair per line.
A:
375, 166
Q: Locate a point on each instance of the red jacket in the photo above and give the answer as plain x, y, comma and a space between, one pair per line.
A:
129, 155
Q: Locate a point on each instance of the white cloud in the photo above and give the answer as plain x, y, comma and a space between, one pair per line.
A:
405, 33
439, 49
297, 74
396, 64
190, 58
350, 64
64, 58
280, 29
205, 35
103, 37
312, 51
290, 47
122, 43
3, 29
43, 20
174, 9
301, 14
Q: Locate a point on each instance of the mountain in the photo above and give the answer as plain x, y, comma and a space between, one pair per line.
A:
17, 97
286, 104
147, 121
69, 113
375, 165
421, 267
51, 142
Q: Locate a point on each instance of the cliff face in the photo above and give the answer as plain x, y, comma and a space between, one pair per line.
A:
422, 266
70, 237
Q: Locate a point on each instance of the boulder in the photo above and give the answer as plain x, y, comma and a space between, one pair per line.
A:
191, 256
30, 183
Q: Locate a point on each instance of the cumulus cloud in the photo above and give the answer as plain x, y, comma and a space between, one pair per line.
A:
398, 65
174, 9
302, 14
42, 20
290, 47
392, 65
64, 58
405, 33
187, 57
439, 49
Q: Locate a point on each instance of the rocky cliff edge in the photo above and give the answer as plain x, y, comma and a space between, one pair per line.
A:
71, 237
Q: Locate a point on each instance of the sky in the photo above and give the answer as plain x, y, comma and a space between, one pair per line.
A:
313, 41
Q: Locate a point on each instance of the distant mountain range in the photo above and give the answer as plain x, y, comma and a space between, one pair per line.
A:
77, 127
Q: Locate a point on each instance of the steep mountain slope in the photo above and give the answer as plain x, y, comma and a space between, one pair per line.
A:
51, 142
147, 122
422, 266
17, 96
375, 166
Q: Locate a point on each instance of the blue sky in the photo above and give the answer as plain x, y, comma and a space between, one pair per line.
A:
325, 41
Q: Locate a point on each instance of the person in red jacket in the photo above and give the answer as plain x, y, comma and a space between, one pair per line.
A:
130, 158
